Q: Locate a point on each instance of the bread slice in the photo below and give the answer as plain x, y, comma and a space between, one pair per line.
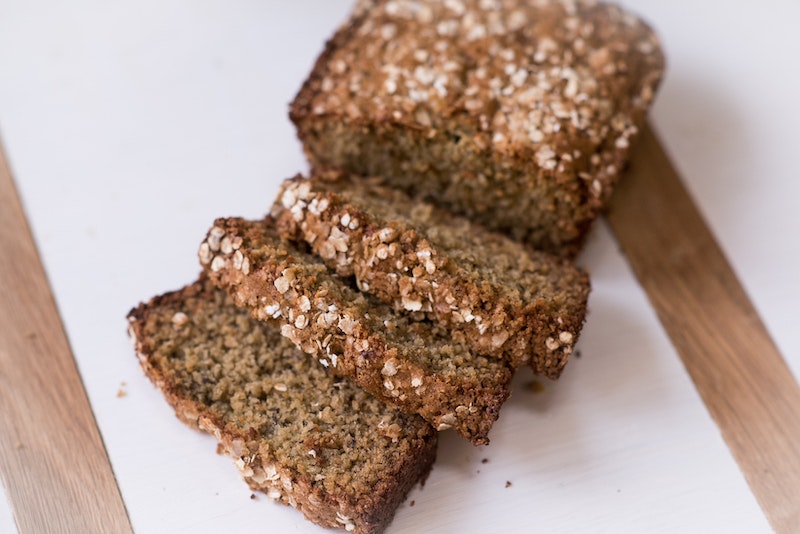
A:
302, 436
503, 298
518, 114
414, 365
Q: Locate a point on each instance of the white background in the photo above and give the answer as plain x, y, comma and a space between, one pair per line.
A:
130, 126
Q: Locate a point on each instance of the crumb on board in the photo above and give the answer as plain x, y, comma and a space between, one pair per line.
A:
252, 496
535, 386
485, 461
412, 503
121, 391
577, 354
508, 483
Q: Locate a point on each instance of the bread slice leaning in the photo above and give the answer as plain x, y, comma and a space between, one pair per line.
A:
505, 299
302, 436
416, 365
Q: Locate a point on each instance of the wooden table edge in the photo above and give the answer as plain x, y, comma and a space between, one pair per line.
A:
726, 349
53, 462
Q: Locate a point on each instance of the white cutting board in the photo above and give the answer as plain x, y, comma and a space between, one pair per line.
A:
130, 127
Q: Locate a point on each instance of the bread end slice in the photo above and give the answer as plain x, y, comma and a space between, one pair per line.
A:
305, 438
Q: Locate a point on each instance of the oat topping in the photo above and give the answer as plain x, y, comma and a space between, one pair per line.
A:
527, 107
180, 319
526, 70
417, 365
205, 253
303, 437
503, 298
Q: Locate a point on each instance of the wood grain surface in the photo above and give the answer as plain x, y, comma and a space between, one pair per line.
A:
736, 367
52, 460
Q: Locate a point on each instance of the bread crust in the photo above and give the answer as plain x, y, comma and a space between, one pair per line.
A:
518, 114
507, 301
414, 365
166, 328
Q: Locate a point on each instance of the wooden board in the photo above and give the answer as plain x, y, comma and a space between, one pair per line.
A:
55, 467
52, 460
736, 367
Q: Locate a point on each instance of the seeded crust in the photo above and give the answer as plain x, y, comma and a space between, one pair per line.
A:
415, 365
518, 114
506, 300
322, 445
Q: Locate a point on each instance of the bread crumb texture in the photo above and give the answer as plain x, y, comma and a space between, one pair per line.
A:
414, 364
517, 113
503, 298
297, 433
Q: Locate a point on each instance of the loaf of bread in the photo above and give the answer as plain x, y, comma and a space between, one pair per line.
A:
518, 114
506, 300
415, 365
297, 433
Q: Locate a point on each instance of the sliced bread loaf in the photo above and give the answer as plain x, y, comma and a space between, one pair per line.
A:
518, 114
416, 365
302, 436
505, 299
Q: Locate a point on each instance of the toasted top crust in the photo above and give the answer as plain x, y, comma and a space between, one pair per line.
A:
297, 433
553, 82
510, 301
416, 365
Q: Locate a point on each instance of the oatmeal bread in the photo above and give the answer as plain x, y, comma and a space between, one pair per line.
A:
506, 300
518, 114
414, 365
305, 438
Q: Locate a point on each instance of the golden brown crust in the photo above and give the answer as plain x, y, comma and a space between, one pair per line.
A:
517, 113
414, 365
506, 300
173, 333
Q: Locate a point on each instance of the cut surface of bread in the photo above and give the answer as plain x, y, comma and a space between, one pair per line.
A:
518, 114
297, 433
415, 365
505, 299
